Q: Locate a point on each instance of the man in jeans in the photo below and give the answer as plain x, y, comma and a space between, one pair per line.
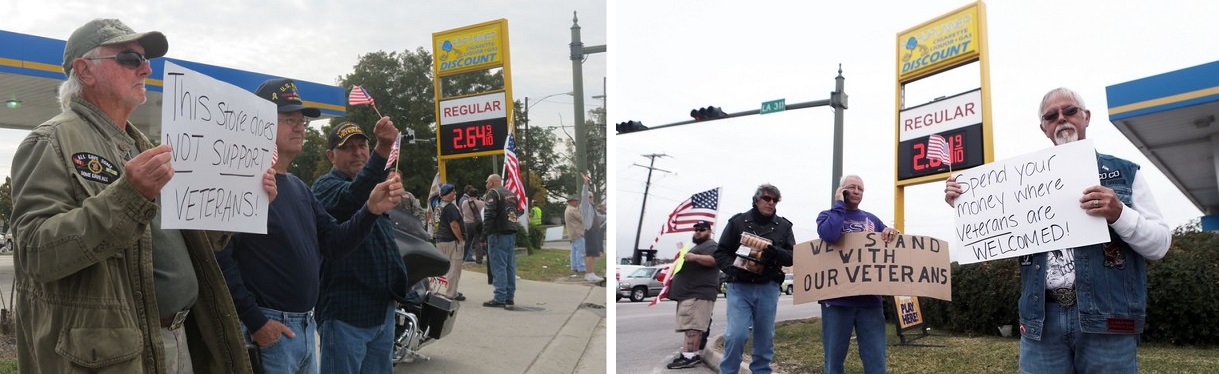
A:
752, 251
274, 277
1096, 330
864, 313
472, 215
359, 293
500, 222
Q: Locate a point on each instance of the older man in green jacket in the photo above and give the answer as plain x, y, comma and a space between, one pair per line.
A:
101, 287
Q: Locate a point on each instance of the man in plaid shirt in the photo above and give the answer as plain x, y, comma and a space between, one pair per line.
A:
355, 311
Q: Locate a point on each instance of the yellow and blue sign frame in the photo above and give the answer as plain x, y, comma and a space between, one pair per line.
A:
481, 46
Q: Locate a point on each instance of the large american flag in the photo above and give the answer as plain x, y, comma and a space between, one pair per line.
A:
937, 148
359, 96
512, 173
702, 206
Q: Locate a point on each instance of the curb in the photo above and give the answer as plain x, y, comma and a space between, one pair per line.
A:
563, 353
712, 357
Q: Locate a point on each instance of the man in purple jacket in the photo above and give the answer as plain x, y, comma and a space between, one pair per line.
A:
865, 313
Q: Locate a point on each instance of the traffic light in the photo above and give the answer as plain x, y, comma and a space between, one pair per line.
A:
708, 113
630, 126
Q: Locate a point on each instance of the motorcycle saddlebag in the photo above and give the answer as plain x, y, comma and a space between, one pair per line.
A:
439, 314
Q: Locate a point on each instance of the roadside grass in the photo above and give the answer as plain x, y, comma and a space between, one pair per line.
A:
798, 350
544, 265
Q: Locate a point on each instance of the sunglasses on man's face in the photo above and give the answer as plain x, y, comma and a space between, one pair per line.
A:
1052, 115
130, 59
699, 229
770, 199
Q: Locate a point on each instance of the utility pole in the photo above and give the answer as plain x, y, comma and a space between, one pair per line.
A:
578, 51
637, 255
838, 101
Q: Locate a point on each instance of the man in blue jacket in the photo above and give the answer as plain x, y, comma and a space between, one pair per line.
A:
865, 313
1097, 329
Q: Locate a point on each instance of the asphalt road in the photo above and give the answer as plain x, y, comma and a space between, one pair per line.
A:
647, 342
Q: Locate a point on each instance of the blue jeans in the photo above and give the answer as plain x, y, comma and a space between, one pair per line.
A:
750, 304
351, 349
289, 355
501, 252
868, 323
1063, 348
577, 254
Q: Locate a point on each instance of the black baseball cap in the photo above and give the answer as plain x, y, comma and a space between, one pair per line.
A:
703, 224
283, 93
342, 132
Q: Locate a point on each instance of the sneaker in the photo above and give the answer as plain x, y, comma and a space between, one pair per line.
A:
509, 305
685, 363
460, 297
593, 278
494, 304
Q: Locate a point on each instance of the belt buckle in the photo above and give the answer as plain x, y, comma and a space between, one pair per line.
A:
1064, 296
179, 318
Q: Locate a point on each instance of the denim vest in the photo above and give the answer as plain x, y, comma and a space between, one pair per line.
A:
1110, 285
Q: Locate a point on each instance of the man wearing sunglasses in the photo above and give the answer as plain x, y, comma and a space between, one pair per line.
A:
752, 251
865, 314
1096, 331
695, 288
100, 285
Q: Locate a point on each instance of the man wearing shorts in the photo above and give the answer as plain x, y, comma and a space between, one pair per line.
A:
695, 288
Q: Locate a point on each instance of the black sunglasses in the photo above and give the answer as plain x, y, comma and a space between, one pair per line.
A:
1052, 116
699, 229
770, 199
131, 59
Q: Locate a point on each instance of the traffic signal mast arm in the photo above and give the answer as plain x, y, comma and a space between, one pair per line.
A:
714, 113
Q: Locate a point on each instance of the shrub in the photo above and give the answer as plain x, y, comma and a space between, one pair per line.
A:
984, 296
1182, 291
537, 235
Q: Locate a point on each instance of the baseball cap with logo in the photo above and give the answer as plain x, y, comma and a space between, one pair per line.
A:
101, 32
283, 93
446, 188
342, 132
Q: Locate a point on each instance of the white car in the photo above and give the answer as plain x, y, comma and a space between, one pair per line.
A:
786, 286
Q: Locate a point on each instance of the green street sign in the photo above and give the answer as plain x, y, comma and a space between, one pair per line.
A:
773, 106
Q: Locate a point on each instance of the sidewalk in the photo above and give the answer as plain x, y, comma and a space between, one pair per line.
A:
556, 327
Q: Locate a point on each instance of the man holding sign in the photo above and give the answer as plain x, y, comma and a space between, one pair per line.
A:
863, 313
101, 286
753, 249
274, 278
1094, 330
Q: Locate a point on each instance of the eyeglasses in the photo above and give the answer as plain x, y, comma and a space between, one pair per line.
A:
294, 122
128, 58
770, 199
1052, 116
699, 229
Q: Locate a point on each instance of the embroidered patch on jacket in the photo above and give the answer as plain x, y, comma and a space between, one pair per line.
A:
1120, 325
95, 168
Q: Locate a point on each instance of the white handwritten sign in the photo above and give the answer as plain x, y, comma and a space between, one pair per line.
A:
222, 137
862, 264
1027, 204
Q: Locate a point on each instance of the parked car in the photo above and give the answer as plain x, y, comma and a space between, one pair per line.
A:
641, 284
786, 286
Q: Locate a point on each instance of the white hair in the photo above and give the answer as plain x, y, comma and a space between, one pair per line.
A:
71, 87
1079, 101
843, 180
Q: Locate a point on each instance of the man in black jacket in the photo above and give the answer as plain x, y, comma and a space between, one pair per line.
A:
753, 249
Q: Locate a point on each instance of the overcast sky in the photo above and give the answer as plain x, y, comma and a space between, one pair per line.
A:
320, 41
671, 57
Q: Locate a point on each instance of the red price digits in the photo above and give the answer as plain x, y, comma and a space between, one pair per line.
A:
472, 136
488, 136
956, 146
920, 153
457, 144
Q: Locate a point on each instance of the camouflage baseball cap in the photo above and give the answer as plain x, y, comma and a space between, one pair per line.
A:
101, 32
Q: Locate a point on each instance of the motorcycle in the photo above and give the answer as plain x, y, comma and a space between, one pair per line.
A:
427, 316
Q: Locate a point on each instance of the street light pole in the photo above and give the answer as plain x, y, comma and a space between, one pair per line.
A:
578, 51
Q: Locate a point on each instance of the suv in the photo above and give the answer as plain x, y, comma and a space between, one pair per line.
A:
786, 286
640, 284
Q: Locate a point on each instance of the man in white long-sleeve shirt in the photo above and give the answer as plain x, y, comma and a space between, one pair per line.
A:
1082, 309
